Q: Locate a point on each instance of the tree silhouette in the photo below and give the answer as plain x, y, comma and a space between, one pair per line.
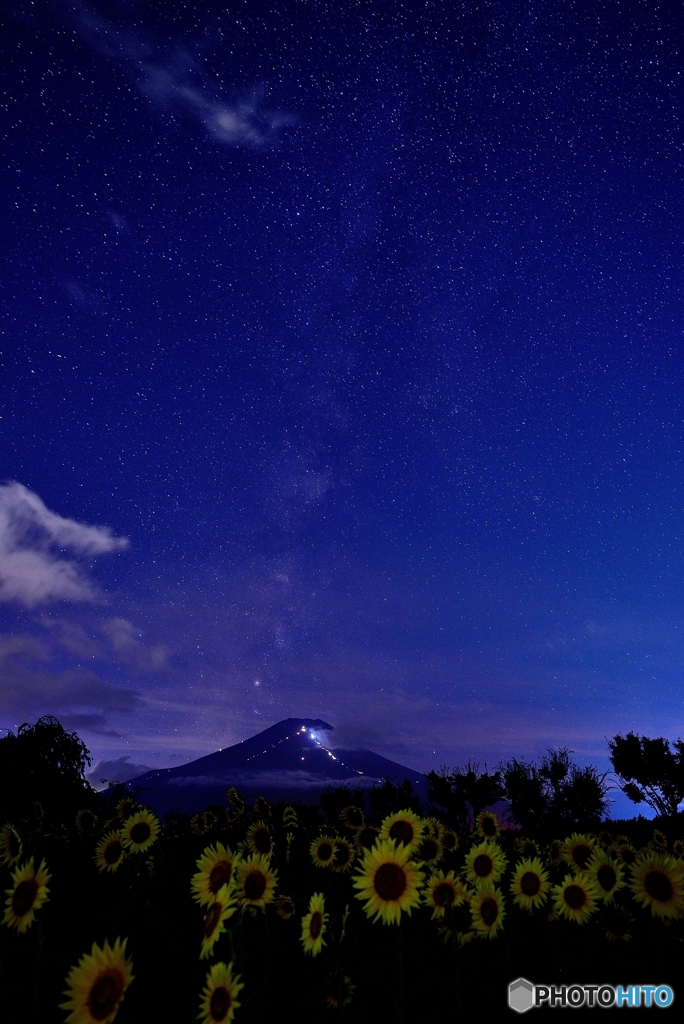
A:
649, 770
461, 793
555, 793
43, 763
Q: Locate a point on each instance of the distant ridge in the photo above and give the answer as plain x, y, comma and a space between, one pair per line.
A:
288, 761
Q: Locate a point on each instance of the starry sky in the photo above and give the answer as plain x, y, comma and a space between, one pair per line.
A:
342, 374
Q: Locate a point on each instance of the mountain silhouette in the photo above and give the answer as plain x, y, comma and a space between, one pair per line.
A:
288, 761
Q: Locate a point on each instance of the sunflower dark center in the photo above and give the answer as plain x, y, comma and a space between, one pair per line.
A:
220, 875
529, 850
628, 856
105, 994
483, 865
489, 827
212, 919
355, 817
342, 855
449, 841
581, 855
489, 911
444, 894
220, 1003
390, 881
402, 832
607, 877
255, 885
113, 851
262, 840
13, 846
24, 896
316, 924
575, 897
140, 832
325, 851
658, 886
530, 883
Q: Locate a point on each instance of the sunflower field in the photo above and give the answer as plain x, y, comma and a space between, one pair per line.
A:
259, 913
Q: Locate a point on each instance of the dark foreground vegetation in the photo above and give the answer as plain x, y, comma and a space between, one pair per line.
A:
365, 908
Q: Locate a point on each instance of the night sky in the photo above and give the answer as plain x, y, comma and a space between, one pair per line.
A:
342, 374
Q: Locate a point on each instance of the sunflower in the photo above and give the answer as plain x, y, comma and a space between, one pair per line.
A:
554, 853
389, 881
659, 839
314, 925
626, 854
576, 897
678, 848
605, 839
259, 838
219, 1001
235, 800
28, 893
285, 907
530, 884
339, 990
658, 882
617, 924
109, 852
97, 984
433, 828
460, 923
527, 848
343, 856
404, 828
256, 881
215, 869
353, 817
126, 807
449, 840
223, 907
607, 874
86, 822
484, 863
198, 825
322, 851
10, 844
262, 807
289, 817
429, 851
140, 831
577, 851
366, 838
486, 906
487, 825
442, 892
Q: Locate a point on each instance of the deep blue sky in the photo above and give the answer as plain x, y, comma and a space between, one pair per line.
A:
364, 325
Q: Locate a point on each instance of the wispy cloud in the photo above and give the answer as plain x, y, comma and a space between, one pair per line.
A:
39, 550
175, 79
129, 651
79, 697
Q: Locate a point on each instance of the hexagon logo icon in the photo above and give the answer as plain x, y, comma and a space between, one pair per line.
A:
521, 995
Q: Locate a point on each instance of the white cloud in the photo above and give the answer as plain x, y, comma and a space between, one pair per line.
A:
34, 565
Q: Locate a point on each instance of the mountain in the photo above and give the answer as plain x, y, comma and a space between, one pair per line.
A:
288, 761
